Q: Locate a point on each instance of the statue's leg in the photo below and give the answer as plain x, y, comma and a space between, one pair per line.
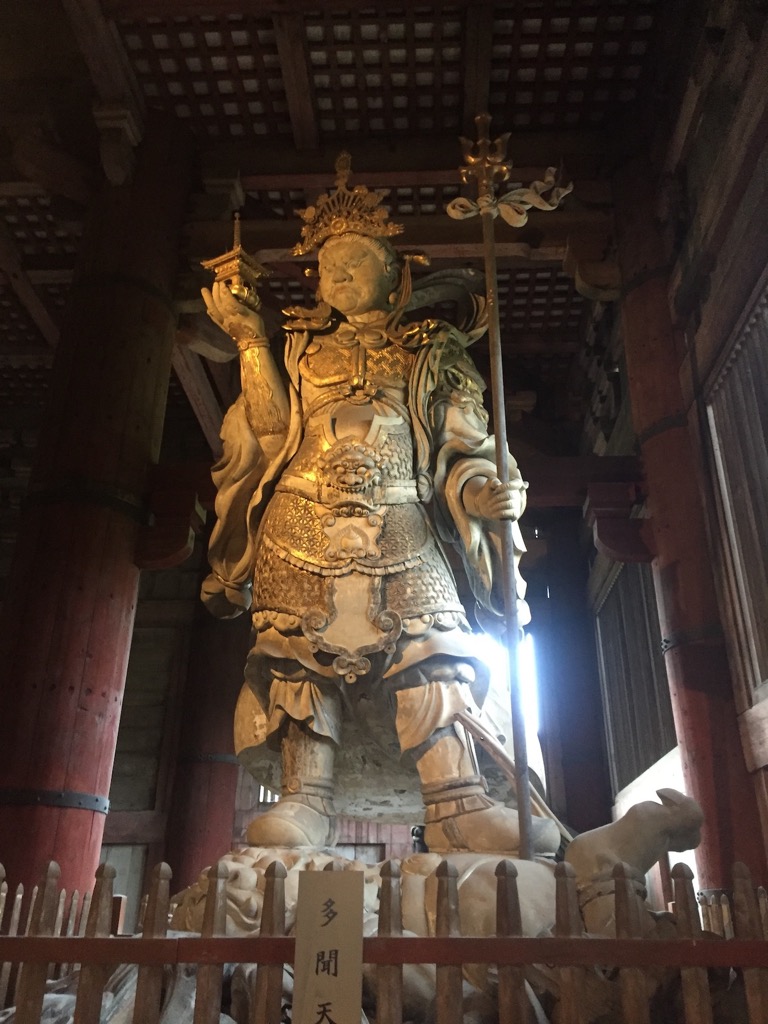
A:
459, 813
304, 718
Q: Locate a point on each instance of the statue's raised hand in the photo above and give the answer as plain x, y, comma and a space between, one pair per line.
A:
243, 324
489, 498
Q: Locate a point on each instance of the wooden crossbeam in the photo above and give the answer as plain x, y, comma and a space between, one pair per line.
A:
546, 234
189, 8
584, 153
51, 169
592, 191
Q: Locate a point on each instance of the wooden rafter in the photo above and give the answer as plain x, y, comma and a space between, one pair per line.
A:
107, 62
205, 405
119, 112
10, 266
291, 48
478, 42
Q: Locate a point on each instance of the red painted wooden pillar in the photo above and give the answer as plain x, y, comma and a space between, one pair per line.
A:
202, 811
71, 594
694, 646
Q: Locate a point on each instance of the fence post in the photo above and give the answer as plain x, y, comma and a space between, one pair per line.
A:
30, 987
695, 985
53, 969
149, 983
93, 977
11, 929
449, 994
389, 977
210, 976
762, 900
568, 923
268, 987
628, 908
747, 925
117, 919
5, 968
85, 913
706, 910
70, 928
514, 1005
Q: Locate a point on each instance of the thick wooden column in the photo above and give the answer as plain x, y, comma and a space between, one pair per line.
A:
72, 588
202, 810
694, 646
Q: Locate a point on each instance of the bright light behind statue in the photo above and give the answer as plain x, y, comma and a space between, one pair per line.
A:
493, 652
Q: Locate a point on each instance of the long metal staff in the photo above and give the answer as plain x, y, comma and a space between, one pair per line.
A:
485, 163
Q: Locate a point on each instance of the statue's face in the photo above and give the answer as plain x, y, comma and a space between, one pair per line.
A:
353, 278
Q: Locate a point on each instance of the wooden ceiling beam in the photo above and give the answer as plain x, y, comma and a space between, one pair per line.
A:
50, 275
188, 8
21, 189
539, 343
292, 51
107, 62
590, 191
51, 169
545, 237
119, 111
583, 153
478, 43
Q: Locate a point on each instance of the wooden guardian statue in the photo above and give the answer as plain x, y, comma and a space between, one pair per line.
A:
337, 495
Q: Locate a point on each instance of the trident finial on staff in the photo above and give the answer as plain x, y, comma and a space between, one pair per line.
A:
486, 163
483, 163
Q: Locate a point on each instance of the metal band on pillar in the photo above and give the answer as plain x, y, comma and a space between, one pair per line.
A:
661, 426
92, 492
683, 637
126, 281
54, 798
644, 276
210, 758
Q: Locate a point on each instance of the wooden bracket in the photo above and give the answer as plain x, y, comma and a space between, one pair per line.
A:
608, 511
177, 516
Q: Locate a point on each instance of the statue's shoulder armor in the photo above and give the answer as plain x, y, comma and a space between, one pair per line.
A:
454, 368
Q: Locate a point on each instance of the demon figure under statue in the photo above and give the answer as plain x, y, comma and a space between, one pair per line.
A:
338, 491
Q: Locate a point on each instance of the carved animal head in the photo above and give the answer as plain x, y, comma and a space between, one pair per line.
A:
685, 819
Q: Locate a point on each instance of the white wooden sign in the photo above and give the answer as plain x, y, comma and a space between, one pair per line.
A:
328, 979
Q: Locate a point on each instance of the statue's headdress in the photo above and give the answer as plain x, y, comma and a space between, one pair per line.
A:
358, 209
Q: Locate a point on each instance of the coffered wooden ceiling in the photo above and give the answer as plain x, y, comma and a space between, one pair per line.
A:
272, 91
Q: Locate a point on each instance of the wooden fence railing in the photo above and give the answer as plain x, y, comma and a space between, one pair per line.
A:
575, 965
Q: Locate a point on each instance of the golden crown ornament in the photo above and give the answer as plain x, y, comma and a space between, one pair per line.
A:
358, 210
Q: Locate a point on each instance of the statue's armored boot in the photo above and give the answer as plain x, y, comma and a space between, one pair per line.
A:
304, 815
460, 816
